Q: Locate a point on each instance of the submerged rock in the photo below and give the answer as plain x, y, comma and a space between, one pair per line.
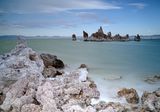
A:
130, 95
153, 79
112, 77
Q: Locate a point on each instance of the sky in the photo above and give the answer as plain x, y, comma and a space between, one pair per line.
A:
65, 17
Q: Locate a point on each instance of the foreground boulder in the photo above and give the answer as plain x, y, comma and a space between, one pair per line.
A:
21, 61
109, 107
51, 60
130, 95
151, 101
33, 91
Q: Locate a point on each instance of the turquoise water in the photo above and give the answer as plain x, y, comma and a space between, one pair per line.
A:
133, 61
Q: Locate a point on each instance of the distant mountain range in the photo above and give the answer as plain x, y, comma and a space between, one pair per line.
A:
69, 37
31, 37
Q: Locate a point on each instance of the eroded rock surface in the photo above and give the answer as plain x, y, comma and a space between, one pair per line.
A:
151, 101
51, 60
33, 91
20, 62
130, 95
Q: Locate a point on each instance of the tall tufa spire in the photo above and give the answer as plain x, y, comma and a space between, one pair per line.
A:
100, 29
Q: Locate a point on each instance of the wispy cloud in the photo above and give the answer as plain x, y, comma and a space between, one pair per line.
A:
87, 15
38, 24
50, 6
138, 5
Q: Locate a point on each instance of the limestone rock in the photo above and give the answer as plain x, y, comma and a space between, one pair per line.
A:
20, 62
153, 79
151, 101
99, 35
2, 97
83, 74
137, 38
20, 93
30, 108
74, 37
64, 92
51, 60
84, 66
100, 30
51, 72
130, 95
110, 107
85, 35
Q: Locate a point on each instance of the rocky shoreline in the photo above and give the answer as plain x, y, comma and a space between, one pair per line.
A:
32, 82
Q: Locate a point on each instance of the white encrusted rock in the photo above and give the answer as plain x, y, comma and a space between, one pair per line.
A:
20, 93
22, 61
30, 108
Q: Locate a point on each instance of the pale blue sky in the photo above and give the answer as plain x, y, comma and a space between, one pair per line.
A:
64, 17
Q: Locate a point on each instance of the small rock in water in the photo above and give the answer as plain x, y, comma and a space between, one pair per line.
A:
153, 79
112, 77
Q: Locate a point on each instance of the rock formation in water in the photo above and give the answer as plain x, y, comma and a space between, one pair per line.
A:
74, 37
101, 36
29, 84
85, 35
137, 38
152, 79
